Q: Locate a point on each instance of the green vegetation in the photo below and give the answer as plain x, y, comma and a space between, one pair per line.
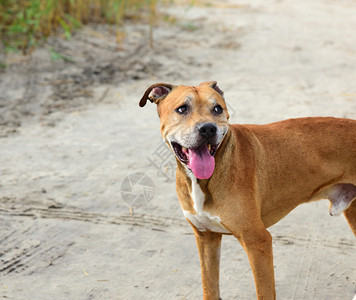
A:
23, 23
58, 56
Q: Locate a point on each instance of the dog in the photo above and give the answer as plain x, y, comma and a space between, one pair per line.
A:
241, 179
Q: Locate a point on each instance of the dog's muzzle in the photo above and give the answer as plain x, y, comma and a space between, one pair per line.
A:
207, 130
199, 156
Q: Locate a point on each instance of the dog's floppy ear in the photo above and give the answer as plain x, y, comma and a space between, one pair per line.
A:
156, 92
214, 85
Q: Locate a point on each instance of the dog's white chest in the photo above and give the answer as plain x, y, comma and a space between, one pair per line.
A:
201, 219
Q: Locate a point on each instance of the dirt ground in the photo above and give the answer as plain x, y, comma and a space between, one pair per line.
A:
74, 143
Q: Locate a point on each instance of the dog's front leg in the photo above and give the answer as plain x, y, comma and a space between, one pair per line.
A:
209, 244
258, 246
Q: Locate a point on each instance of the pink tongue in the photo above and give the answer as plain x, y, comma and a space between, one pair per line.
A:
201, 162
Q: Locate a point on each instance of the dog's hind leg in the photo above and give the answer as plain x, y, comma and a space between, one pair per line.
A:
350, 215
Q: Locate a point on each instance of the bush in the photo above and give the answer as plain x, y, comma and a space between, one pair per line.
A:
23, 23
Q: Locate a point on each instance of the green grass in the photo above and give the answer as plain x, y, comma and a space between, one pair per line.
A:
24, 23
58, 56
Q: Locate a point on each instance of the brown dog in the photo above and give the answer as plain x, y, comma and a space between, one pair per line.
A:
241, 179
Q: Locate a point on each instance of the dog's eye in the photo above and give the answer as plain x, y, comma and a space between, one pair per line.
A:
218, 109
182, 109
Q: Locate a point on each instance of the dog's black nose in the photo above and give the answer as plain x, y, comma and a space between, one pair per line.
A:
207, 130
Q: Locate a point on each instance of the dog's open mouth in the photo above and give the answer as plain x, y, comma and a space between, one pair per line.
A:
183, 153
199, 160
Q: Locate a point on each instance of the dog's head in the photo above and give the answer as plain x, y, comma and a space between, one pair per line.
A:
194, 121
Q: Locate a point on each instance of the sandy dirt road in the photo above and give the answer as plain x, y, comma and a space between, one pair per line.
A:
72, 135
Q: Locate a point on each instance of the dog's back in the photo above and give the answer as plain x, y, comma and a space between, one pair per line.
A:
298, 160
